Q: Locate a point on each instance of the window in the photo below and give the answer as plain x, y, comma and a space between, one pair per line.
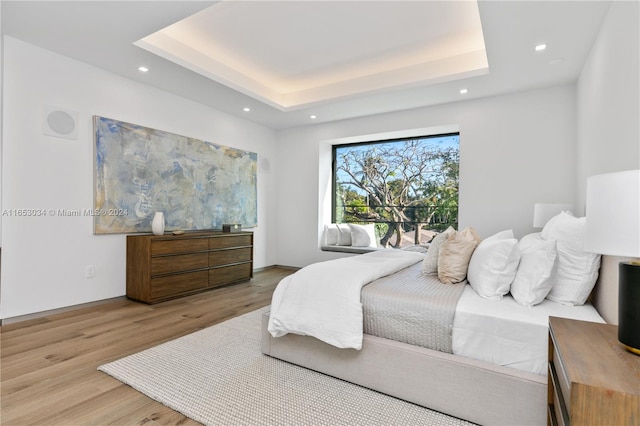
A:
407, 187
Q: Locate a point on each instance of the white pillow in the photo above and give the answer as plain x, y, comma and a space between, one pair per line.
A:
538, 262
577, 270
363, 235
454, 256
564, 226
502, 235
331, 234
344, 234
430, 262
493, 265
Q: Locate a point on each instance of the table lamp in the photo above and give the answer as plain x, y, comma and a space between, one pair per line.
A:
613, 228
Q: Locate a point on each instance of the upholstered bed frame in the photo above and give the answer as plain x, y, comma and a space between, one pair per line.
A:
476, 391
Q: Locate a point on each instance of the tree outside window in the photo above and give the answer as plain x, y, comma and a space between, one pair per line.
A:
404, 185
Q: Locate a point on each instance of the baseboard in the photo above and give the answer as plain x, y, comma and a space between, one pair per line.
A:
36, 315
266, 268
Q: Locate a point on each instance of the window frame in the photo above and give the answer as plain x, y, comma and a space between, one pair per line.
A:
337, 146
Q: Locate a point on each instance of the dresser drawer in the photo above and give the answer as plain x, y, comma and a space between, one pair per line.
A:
229, 274
562, 380
178, 263
558, 414
230, 241
225, 257
179, 246
175, 285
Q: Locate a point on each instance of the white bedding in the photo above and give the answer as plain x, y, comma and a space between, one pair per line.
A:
505, 333
323, 299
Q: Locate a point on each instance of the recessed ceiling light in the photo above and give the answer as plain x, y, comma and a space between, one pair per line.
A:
540, 47
556, 61
313, 117
246, 109
463, 91
143, 69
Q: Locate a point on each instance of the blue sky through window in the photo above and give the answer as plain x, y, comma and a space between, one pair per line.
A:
438, 142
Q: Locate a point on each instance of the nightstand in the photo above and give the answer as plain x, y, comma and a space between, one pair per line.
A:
592, 379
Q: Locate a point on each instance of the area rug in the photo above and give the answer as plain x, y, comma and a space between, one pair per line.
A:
219, 376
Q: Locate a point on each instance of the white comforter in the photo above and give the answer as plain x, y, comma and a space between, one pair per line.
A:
323, 299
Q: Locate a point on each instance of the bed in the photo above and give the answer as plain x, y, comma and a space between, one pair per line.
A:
482, 377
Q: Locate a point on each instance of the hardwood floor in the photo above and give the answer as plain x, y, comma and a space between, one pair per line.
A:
49, 365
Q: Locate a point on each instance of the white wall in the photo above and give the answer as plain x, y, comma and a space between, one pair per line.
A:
44, 258
608, 99
608, 118
1, 120
515, 150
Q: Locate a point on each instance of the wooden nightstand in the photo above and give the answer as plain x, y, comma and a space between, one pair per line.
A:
593, 380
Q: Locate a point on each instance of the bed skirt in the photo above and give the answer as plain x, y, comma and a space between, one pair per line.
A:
472, 390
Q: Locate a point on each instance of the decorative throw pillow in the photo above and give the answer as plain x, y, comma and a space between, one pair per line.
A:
430, 262
363, 235
344, 234
538, 262
454, 256
493, 265
331, 234
577, 270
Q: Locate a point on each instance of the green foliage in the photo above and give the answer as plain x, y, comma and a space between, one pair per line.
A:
398, 185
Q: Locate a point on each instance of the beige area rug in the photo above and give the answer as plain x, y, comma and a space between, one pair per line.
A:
218, 376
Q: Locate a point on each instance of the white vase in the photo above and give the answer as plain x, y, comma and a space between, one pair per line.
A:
157, 224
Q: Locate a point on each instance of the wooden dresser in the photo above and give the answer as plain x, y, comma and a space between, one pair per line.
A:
592, 380
169, 266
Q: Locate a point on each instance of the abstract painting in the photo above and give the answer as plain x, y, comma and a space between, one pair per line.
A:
196, 184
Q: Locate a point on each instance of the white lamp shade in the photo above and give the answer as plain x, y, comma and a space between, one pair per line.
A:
613, 214
543, 212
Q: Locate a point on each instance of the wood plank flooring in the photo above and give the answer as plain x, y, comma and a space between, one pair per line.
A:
49, 365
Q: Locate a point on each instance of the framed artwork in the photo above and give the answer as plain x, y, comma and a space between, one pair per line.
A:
196, 184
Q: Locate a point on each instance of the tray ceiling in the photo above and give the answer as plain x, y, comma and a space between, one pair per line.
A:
293, 54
